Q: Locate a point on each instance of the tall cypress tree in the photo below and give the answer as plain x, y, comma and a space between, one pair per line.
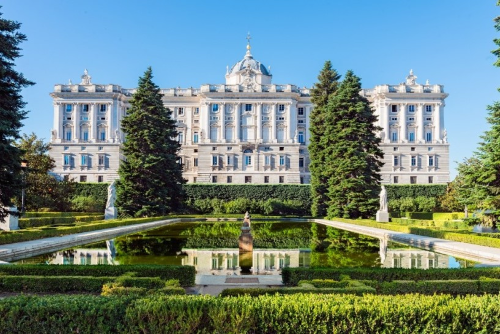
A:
11, 112
325, 87
352, 153
150, 176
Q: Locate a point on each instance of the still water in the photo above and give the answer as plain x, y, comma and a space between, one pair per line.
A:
212, 247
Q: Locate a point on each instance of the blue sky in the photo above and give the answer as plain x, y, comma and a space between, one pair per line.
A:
189, 43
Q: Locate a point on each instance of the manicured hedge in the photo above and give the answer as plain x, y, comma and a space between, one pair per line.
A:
397, 191
227, 192
299, 313
8, 237
448, 215
97, 190
419, 215
185, 274
254, 292
59, 284
35, 214
292, 276
47, 221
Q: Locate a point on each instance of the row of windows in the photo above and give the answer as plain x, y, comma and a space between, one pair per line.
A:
248, 179
414, 161
84, 135
83, 178
85, 107
85, 160
231, 161
249, 107
410, 119
410, 136
411, 108
180, 111
413, 179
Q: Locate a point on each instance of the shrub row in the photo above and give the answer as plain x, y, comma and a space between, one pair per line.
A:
308, 313
59, 214
241, 205
292, 276
448, 215
8, 237
397, 191
429, 287
48, 221
185, 274
254, 292
417, 204
432, 223
468, 237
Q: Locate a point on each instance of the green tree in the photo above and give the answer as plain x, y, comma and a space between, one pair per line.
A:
150, 176
42, 189
325, 87
11, 112
352, 153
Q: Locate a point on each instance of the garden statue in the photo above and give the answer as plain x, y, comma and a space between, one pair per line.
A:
383, 212
111, 212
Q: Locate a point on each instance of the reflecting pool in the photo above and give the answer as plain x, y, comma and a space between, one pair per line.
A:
212, 247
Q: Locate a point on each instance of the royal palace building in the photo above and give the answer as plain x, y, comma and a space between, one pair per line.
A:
247, 130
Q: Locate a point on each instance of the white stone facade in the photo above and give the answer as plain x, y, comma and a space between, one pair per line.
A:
247, 130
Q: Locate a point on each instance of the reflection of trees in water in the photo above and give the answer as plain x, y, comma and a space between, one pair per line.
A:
145, 245
339, 259
327, 238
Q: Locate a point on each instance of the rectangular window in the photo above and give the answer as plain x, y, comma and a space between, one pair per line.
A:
281, 107
282, 148
85, 135
68, 135
229, 179
413, 179
394, 118
282, 179
428, 137
428, 108
67, 160
431, 263
428, 118
431, 179
85, 108
83, 178
300, 121
411, 119
214, 178
196, 137
394, 108
282, 160
196, 111
413, 161
281, 118
215, 107
411, 108
431, 161
248, 107
102, 136
248, 179
396, 161
84, 160
69, 108
266, 179
267, 160
301, 162
248, 160
215, 160
214, 148
412, 149
180, 111
102, 108
228, 159
101, 160
396, 179
394, 137
100, 178
180, 137
301, 137
394, 149
301, 111
195, 162
411, 137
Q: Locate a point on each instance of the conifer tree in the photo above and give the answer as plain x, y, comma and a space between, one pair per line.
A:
11, 113
321, 92
352, 153
150, 176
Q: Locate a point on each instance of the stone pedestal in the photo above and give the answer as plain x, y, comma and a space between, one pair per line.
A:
382, 216
11, 221
246, 242
111, 213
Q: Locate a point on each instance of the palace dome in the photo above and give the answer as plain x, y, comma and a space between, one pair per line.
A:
248, 61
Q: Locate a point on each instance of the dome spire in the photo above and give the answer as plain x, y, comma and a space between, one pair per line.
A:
248, 54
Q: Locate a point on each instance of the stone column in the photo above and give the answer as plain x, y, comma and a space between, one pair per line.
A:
437, 123
58, 121
204, 123
307, 110
76, 122
222, 120
420, 123
189, 124
237, 122
273, 123
258, 135
402, 123
386, 119
93, 122
109, 122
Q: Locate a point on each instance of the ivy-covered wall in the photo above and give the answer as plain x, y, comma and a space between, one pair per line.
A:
398, 191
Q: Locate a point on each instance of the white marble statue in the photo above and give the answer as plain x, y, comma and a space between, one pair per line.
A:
383, 200
111, 195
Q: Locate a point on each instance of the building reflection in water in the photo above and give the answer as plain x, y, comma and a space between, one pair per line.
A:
226, 261
84, 256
